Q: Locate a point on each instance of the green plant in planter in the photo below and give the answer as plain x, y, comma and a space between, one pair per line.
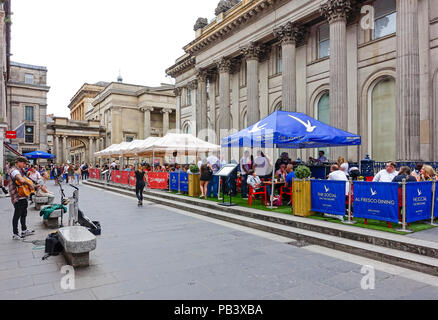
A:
302, 172
194, 168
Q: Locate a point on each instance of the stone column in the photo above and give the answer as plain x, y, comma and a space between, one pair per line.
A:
91, 150
212, 112
193, 86
147, 121
55, 148
408, 81
201, 104
336, 12
177, 93
251, 54
166, 113
224, 68
289, 34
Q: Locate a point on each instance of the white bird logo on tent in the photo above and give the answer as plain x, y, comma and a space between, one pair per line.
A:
326, 189
308, 125
419, 192
256, 127
373, 193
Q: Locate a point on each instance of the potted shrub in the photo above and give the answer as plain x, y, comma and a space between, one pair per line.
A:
302, 192
194, 181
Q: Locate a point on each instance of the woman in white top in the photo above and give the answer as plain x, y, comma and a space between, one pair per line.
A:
343, 166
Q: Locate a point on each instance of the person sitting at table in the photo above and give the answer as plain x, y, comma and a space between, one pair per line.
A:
387, 174
338, 175
404, 173
290, 176
255, 182
284, 159
427, 174
281, 173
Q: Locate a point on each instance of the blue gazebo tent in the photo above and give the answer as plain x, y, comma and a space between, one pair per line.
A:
39, 155
290, 130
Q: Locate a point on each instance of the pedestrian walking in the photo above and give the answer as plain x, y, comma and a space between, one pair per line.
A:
139, 184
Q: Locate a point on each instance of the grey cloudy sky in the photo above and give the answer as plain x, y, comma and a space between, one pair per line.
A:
90, 40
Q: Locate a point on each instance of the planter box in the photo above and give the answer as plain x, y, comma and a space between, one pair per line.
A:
194, 185
302, 198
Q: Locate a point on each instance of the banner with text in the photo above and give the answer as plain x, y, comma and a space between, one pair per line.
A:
125, 177
184, 183
376, 200
328, 196
132, 180
118, 176
174, 181
157, 180
418, 201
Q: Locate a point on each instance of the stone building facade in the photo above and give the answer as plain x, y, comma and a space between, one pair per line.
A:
367, 67
27, 106
130, 112
5, 47
103, 114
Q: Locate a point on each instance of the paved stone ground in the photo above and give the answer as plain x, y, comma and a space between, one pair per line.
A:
156, 252
429, 235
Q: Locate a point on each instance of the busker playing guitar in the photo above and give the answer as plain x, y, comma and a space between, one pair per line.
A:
20, 188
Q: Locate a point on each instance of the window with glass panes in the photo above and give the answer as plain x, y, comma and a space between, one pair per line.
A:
28, 78
385, 18
324, 41
28, 113
29, 134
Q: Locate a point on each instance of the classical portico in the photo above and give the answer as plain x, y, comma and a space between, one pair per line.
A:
75, 141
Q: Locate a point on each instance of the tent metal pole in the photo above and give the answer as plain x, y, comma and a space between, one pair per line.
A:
432, 215
350, 217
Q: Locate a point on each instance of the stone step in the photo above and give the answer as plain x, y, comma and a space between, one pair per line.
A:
413, 261
379, 238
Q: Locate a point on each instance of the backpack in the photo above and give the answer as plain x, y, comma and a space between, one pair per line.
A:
53, 246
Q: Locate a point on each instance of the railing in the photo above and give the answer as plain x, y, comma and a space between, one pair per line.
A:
378, 166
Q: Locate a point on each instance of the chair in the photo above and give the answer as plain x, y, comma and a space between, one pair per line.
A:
252, 194
289, 193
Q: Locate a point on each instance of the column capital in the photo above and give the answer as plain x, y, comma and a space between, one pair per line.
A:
252, 51
289, 33
147, 108
224, 65
334, 10
177, 91
166, 110
201, 75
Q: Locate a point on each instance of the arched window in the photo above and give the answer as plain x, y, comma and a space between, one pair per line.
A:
385, 18
244, 120
382, 120
323, 114
186, 128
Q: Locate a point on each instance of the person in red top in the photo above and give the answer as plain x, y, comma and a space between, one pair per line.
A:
17, 173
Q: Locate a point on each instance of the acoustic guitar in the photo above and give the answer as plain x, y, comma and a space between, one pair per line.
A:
23, 189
